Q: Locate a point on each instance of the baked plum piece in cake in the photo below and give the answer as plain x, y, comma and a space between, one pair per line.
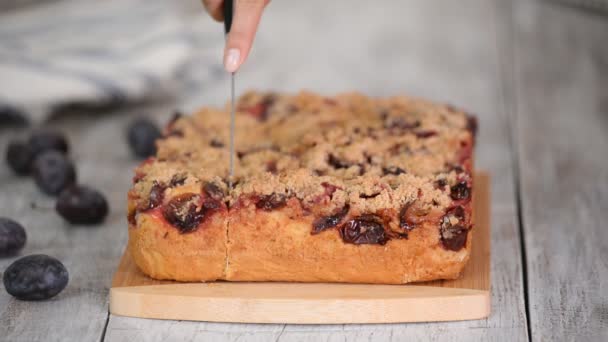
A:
341, 189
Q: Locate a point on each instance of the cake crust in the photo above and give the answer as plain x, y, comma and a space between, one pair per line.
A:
273, 246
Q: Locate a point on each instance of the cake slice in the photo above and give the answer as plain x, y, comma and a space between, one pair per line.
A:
342, 189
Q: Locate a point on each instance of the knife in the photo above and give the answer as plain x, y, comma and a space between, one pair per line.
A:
228, 12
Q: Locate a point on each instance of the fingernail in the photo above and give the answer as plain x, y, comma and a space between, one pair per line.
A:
231, 62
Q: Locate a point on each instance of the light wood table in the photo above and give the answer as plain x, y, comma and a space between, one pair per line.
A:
534, 72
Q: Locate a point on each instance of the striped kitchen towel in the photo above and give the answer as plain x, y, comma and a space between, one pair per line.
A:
594, 5
79, 51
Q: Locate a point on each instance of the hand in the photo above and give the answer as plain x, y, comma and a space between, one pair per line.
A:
247, 14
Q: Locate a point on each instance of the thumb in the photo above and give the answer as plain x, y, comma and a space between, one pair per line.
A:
247, 14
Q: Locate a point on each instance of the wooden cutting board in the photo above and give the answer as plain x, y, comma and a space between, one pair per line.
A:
134, 294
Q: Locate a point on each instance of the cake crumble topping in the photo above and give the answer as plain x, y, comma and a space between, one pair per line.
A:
373, 168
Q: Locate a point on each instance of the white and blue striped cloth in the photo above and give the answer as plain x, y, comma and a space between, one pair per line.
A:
82, 51
597, 5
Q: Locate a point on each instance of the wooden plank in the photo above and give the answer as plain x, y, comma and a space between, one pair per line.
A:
90, 254
562, 119
300, 303
441, 50
79, 312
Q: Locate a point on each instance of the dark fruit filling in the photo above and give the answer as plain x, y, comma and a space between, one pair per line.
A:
177, 180
142, 135
404, 222
400, 123
455, 167
82, 205
138, 176
271, 167
460, 191
392, 170
365, 229
366, 196
157, 194
184, 212
271, 202
260, 110
400, 149
441, 183
336, 163
330, 221
210, 204
12, 237
457, 212
454, 236
35, 277
426, 134
187, 211
216, 143
213, 191
53, 172
411, 216
157, 191
329, 189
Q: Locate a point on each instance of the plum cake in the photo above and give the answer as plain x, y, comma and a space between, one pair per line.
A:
326, 189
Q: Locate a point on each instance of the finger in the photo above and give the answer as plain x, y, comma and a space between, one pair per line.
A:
214, 7
247, 14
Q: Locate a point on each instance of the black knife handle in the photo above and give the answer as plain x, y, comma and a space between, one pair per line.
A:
228, 11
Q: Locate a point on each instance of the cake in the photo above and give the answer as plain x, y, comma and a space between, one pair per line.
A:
326, 189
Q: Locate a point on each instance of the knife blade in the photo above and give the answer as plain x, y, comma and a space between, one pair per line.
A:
228, 8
